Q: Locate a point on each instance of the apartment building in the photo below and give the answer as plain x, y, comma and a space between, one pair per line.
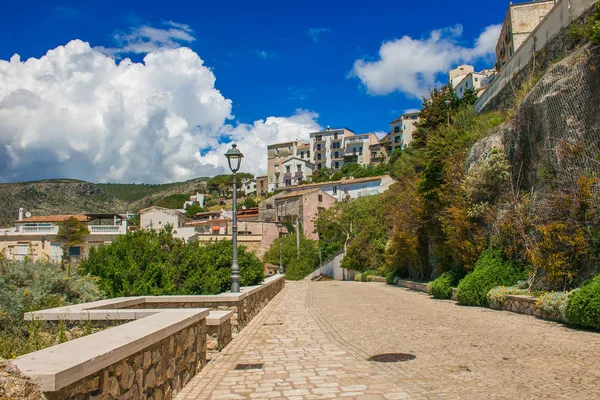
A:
262, 185
475, 80
36, 237
521, 19
459, 73
401, 132
277, 154
328, 147
294, 170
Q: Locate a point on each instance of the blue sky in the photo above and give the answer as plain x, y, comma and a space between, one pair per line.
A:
272, 58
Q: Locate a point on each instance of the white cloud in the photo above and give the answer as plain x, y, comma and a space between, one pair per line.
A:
77, 113
147, 39
412, 66
316, 33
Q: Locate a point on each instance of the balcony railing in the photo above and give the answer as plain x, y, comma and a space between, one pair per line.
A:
105, 229
39, 229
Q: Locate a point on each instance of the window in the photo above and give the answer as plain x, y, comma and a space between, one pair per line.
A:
318, 138
301, 154
319, 156
288, 168
299, 168
319, 166
308, 154
336, 154
276, 151
337, 165
414, 117
74, 251
336, 145
476, 79
318, 147
288, 182
461, 90
320, 198
335, 190
254, 187
396, 129
289, 148
467, 83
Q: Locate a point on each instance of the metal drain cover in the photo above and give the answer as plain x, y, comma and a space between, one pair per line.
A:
248, 366
392, 357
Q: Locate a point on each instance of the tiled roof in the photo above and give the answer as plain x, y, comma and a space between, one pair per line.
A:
54, 218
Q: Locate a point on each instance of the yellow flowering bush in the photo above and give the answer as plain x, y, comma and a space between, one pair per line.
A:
497, 296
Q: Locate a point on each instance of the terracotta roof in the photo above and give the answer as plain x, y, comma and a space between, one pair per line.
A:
54, 218
208, 221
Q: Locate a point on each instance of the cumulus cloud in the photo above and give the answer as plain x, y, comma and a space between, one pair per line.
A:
77, 113
412, 66
316, 33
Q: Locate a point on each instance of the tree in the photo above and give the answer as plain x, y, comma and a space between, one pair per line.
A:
322, 175
193, 209
469, 97
297, 265
71, 233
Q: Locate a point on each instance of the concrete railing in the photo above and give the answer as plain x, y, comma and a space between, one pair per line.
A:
561, 15
153, 355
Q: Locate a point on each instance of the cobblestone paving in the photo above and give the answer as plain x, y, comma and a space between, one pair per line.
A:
314, 339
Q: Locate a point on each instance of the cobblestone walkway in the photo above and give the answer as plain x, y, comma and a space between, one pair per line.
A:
314, 339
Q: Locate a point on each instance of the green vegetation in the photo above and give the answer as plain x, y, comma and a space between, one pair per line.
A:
491, 270
555, 303
297, 264
70, 234
441, 287
193, 209
497, 296
156, 263
28, 286
584, 305
173, 201
223, 184
589, 30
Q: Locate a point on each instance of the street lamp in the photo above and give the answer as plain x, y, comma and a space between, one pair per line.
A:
234, 158
280, 229
448, 102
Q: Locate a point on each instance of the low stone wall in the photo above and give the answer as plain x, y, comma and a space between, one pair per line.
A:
157, 372
378, 279
244, 306
218, 336
412, 285
526, 305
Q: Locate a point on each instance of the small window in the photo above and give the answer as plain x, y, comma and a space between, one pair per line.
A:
276, 151
337, 164
335, 190
289, 148
476, 79
320, 198
74, 251
299, 168
288, 168
319, 166
308, 154
396, 129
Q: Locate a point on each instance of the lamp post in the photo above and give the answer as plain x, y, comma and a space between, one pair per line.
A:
448, 102
280, 229
234, 158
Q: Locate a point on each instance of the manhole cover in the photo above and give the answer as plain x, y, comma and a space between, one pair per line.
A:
392, 357
248, 366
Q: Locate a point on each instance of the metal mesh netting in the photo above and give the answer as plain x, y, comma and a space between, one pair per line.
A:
557, 126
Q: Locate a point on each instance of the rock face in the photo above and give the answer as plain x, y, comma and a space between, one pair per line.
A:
15, 385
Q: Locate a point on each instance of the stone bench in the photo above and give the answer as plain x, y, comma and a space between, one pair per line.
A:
218, 331
152, 356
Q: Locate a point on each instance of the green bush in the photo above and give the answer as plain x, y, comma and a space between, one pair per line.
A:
441, 287
296, 264
390, 277
554, 304
357, 278
584, 305
155, 263
491, 270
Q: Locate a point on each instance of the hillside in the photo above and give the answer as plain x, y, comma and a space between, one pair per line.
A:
68, 196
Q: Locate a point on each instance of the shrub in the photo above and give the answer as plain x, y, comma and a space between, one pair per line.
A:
554, 304
156, 263
390, 277
584, 305
357, 278
491, 270
441, 287
299, 268
497, 296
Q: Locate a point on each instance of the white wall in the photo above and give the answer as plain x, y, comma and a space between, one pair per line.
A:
333, 268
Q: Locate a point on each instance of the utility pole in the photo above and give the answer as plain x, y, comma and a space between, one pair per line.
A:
298, 235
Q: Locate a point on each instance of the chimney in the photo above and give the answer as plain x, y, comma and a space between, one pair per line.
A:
21, 213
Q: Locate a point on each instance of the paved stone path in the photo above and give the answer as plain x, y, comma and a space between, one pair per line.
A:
314, 339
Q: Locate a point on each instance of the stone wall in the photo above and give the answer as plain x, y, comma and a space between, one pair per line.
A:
217, 337
243, 310
157, 372
412, 285
526, 305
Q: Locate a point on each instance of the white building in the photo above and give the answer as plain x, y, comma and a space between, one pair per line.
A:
296, 169
401, 132
349, 188
197, 198
249, 187
459, 73
157, 217
328, 147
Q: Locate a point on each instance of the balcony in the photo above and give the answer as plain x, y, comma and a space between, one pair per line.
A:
106, 229
340, 156
33, 230
321, 150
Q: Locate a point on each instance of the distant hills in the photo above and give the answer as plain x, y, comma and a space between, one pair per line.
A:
70, 196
